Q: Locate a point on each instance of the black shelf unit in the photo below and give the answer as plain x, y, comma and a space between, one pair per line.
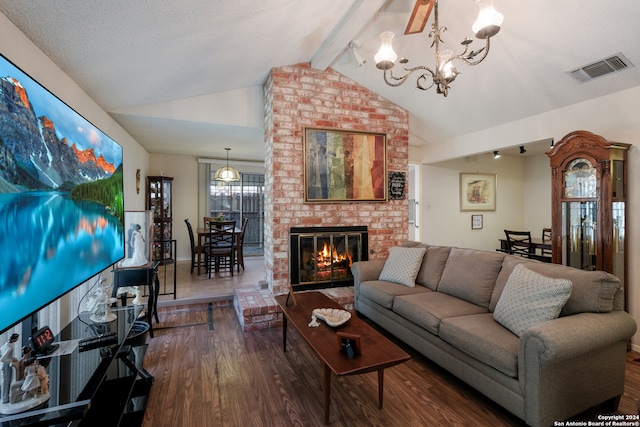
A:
101, 386
159, 201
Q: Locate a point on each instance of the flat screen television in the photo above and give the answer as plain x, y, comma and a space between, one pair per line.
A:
61, 197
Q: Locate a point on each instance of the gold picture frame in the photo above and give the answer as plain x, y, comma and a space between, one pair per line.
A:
477, 192
344, 166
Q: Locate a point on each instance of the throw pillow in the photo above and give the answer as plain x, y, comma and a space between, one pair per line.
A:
529, 298
402, 265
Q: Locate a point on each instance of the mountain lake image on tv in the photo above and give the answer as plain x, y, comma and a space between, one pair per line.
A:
61, 197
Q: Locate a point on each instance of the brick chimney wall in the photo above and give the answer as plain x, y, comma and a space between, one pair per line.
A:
299, 96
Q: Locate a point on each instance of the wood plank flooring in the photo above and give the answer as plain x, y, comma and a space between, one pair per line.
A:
209, 373
194, 288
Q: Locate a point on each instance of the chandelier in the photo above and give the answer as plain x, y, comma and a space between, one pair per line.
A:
486, 26
227, 173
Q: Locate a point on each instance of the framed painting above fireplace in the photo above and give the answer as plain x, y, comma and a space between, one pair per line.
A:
344, 166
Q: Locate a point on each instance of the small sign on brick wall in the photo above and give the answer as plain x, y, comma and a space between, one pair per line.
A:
397, 184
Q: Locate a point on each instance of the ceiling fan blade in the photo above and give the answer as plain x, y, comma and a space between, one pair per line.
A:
419, 16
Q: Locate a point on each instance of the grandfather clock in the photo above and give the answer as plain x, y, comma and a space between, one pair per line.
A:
589, 203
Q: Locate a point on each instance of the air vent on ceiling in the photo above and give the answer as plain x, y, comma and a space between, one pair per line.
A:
601, 68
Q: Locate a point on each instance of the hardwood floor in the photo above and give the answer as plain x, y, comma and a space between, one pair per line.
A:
208, 372
194, 288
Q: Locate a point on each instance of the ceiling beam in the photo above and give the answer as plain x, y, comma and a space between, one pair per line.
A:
351, 24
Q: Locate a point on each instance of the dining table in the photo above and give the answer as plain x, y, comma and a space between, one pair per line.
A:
536, 242
203, 233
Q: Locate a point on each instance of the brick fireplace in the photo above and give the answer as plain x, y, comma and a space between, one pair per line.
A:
299, 96
296, 97
321, 257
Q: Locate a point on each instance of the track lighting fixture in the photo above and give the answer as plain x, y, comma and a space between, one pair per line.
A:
354, 46
522, 150
496, 154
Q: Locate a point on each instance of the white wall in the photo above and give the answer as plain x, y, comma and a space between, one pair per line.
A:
184, 170
442, 222
613, 116
24, 54
537, 194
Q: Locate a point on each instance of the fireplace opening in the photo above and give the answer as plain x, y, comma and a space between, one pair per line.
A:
321, 257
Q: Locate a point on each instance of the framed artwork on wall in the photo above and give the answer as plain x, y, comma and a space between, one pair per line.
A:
476, 222
344, 166
477, 192
138, 239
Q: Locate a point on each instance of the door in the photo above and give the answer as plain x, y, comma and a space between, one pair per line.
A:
239, 200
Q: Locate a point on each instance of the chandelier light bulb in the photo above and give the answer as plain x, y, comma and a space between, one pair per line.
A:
443, 72
489, 20
446, 66
226, 175
385, 57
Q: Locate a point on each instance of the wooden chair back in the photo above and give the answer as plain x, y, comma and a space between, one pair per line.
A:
195, 249
519, 243
221, 246
546, 238
192, 239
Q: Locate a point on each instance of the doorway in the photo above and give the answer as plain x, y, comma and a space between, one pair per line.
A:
239, 200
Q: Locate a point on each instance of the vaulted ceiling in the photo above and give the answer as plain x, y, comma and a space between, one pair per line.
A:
186, 76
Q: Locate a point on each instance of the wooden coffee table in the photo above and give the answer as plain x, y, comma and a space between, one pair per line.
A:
377, 352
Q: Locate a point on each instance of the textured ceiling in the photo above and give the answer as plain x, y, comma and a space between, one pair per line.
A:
186, 76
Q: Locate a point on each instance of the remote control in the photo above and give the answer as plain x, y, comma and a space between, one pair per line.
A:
102, 340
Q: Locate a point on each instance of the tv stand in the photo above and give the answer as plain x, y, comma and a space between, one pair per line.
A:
100, 386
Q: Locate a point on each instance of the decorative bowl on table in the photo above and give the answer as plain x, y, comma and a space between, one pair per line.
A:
332, 316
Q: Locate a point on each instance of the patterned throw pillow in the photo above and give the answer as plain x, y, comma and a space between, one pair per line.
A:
403, 265
529, 298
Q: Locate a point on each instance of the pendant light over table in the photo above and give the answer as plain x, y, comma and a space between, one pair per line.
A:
227, 173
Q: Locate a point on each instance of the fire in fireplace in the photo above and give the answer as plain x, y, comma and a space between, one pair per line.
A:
321, 257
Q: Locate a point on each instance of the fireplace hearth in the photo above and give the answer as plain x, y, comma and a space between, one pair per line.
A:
321, 257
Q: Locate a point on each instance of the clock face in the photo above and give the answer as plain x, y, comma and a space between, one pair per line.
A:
41, 339
580, 179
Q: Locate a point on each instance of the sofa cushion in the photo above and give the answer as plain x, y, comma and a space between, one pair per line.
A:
428, 309
383, 293
432, 266
471, 275
591, 291
484, 339
508, 264
402, 265
412, 244
530, 298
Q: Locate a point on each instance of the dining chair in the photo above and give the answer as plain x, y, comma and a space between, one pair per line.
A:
220, 250
239, 245
546, 238
196, 250
519, 243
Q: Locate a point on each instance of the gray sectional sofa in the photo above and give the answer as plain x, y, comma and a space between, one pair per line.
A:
546, 369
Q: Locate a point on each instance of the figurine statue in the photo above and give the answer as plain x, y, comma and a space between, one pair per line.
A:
26, 356
25, 383
31, 384
43, 376
137, 244
8, 363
